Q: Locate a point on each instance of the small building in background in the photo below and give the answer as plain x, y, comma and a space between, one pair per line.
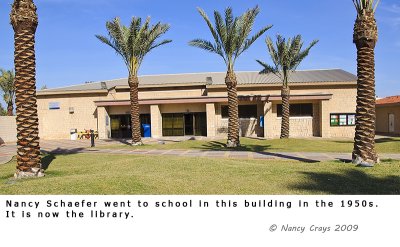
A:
388, 115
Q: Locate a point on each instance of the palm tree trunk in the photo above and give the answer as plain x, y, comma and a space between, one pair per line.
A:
24, 21
365, 37
135, 115
285, 93
364, 141
233, 112
10, 109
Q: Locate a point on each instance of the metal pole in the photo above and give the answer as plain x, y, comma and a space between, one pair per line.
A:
92, 138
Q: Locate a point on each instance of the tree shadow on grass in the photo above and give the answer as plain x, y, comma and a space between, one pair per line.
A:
68, 151
354, 182
46, 161
260, 149
387, 139
220, 146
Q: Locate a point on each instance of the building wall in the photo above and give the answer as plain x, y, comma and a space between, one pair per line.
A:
343, 101
56, 124
299, 126
161, 93
382, 118
182, 108
8, 129
122, 110
248, 127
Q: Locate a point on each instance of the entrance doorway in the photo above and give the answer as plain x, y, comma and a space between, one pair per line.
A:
189, 124
121, 125
184, 124
391, 123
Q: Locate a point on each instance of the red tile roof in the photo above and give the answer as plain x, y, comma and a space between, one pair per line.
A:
389, 100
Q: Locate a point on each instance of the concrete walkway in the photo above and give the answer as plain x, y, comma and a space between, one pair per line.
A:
82, 146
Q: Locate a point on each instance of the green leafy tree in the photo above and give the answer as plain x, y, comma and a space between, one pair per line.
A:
3, 111
286, 57
231, 37
7, 86
365, 37
133, 43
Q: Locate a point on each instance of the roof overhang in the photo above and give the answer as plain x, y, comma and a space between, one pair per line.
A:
45, 92
194, 84
293, 84
209, 99
388, 104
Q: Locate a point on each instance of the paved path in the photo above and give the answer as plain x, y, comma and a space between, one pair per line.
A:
74, 147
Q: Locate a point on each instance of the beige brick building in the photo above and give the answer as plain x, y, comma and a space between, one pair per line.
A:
388, 115
323, 104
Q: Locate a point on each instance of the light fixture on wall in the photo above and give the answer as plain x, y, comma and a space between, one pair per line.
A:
71, 110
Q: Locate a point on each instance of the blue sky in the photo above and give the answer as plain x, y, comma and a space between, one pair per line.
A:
68, 53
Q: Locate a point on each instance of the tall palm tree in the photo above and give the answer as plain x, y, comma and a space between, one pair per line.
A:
133, 43
365, 38
24, 20
7, 86
286, 56
231, 39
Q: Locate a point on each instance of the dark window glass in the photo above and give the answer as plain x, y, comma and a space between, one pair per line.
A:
297, 110
224, 111
245, 111
173, 124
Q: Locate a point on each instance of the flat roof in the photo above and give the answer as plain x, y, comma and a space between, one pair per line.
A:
327, 76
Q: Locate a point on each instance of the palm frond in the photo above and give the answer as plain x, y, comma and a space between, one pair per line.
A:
133, 43
286, 56
267, 68
231, 34
208, 46
251, 40
365, 5
209, 24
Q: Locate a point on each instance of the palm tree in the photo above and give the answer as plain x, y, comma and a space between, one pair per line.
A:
365, 38
7, 86
24, 20
231, 39
3, 112
133, 43
286, 56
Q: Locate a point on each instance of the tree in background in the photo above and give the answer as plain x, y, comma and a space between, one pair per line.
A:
230, 40
7, 86
3, 112
133, 43
365, 38
24, 20
286, 57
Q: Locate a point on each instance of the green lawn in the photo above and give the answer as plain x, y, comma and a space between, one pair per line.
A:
383, 145
119, 174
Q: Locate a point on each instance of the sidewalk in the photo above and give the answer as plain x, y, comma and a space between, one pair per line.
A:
76, 147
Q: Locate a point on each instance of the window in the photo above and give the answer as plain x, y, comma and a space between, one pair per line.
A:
173, 124
298, 110
245, 111
54, 105
343, 119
